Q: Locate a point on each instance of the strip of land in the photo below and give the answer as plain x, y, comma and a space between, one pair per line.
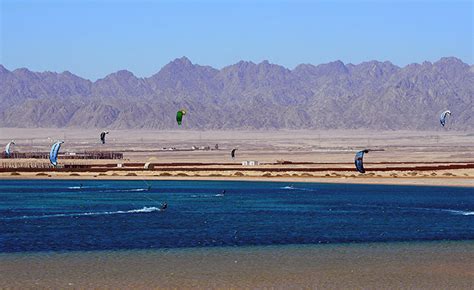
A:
416, 265
463, 182
419, 158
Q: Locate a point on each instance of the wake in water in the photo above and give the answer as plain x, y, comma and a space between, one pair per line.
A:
207, 195
461, 212
108, 190
202, 195
451, 211
290, 187
414, 209
132, 189
141, 210
125, 190
81, 186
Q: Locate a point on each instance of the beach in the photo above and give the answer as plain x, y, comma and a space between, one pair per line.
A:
420, 265
464, 182
412, 158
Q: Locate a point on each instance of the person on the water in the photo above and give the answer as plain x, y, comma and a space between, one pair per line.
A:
164, 206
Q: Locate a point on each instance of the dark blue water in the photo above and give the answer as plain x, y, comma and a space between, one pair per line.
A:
55, 215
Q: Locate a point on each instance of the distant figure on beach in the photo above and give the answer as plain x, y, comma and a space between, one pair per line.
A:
164, 206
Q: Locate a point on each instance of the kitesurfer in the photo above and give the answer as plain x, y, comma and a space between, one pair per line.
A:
443, 117
102, 136
164, 206
179, 116
53, 154
232, 153
359, 160
8, 148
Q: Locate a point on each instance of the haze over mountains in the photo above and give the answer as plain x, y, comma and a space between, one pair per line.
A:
245, 95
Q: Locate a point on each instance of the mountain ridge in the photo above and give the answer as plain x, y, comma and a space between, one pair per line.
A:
246, 95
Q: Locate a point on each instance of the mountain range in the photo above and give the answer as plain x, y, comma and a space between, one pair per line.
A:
372, 95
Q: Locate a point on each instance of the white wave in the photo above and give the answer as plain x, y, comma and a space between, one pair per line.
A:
144, 209
461, 212
219, 195
125, 190
88, 187
306, 189
453, 211
140, 210
290, 187
200, 195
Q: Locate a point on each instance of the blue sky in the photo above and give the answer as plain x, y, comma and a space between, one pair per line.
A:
94, 38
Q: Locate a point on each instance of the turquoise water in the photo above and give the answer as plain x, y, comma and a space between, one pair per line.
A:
72, 215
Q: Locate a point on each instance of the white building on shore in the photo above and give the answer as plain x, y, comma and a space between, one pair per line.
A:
250, 163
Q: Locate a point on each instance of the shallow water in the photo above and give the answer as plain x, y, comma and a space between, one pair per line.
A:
59, 215
406, 265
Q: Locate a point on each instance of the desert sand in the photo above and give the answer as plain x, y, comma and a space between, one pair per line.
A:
420, 158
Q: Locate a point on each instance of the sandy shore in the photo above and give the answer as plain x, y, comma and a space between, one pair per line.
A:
439, 181
429, 265
442, 158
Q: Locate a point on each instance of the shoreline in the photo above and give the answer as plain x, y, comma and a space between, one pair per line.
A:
326, 156
409, 181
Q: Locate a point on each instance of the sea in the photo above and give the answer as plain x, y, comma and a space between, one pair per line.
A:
114, 215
